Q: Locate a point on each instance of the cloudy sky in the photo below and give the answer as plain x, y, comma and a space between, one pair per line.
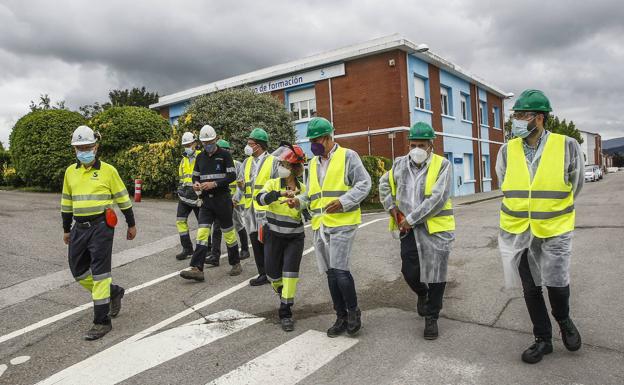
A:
79, 50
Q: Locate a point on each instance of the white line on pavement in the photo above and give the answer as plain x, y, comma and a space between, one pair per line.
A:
131, 357
290, 362
67, 313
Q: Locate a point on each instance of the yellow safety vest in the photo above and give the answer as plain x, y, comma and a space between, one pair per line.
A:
444, 220
185, 170
92, 191
263, 176
546, 204
333, 188
281, 218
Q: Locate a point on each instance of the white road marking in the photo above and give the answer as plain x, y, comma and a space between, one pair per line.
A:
3, 368
132, 357
67, 313
20, 360
289, 363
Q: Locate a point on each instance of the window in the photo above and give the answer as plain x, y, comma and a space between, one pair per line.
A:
496, 112
444, 96
419, 92
468, 169
485, 165
483, 114
302, 104
465, 106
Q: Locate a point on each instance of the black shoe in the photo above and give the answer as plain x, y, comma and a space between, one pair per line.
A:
259, 280
212, 261
340, 326
244, 254
431, 328
536, 352
420, 305
354, 322
570, 335
115, 306
98, 331
288, 324
186, 253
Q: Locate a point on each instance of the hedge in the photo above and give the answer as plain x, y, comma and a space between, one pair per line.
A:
376, 167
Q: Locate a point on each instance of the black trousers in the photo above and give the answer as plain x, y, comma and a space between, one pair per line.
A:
217, 235
559, 298
258, 250
342, 290
283, 256
215, 207
182, 215
410, 267
90, 259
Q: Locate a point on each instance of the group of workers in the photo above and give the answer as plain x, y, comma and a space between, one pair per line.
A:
266, 199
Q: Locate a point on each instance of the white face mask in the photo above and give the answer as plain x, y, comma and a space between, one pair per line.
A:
248, 150
418, 155
283, 172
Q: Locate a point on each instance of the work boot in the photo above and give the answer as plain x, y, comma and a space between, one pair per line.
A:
570, 335
288, 324
431, 328
98, 331
186, 253
354, 321
259, 280
115, 306
536, 352
244, 254
420, 305
192, 273
212, 261
236, 270
340, 326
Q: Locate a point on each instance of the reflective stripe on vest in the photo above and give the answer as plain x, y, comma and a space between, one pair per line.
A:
263, 176
546, 204
443, 220
333, 187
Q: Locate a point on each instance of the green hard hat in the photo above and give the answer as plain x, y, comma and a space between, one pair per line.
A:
421, 130
259, 134
319, 127
223, 143
532, 100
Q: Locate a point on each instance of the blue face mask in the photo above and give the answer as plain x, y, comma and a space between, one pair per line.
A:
519, 128
189, 151
85, 157
210, 147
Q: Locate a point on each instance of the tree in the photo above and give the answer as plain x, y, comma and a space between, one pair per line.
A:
138, 97
90, 110
40, 146
233, 113
44, 104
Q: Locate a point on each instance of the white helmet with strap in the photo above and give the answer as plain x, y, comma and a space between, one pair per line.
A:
188, 138
207, 133
83, 135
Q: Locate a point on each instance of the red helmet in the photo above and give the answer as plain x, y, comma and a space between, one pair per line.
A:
290, 154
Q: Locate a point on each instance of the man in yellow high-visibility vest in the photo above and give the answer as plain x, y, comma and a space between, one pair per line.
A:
337, 184
188, 200
540, 173
90, 189
416, 192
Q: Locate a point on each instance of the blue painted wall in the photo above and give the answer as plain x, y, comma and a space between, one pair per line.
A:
417, 67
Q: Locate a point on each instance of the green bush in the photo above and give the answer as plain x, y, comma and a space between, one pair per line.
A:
155, 163
40, 146
9, 177
125, 127
375, 165
233, 113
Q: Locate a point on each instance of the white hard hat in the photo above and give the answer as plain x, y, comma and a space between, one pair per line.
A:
83, 135
188, 138
207, 133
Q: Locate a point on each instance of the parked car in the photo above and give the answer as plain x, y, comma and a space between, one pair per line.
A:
611, 170
592, 173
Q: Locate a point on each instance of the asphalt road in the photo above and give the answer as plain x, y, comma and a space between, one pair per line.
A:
222, 330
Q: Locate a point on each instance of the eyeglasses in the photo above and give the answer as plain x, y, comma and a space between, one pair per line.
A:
523, 115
